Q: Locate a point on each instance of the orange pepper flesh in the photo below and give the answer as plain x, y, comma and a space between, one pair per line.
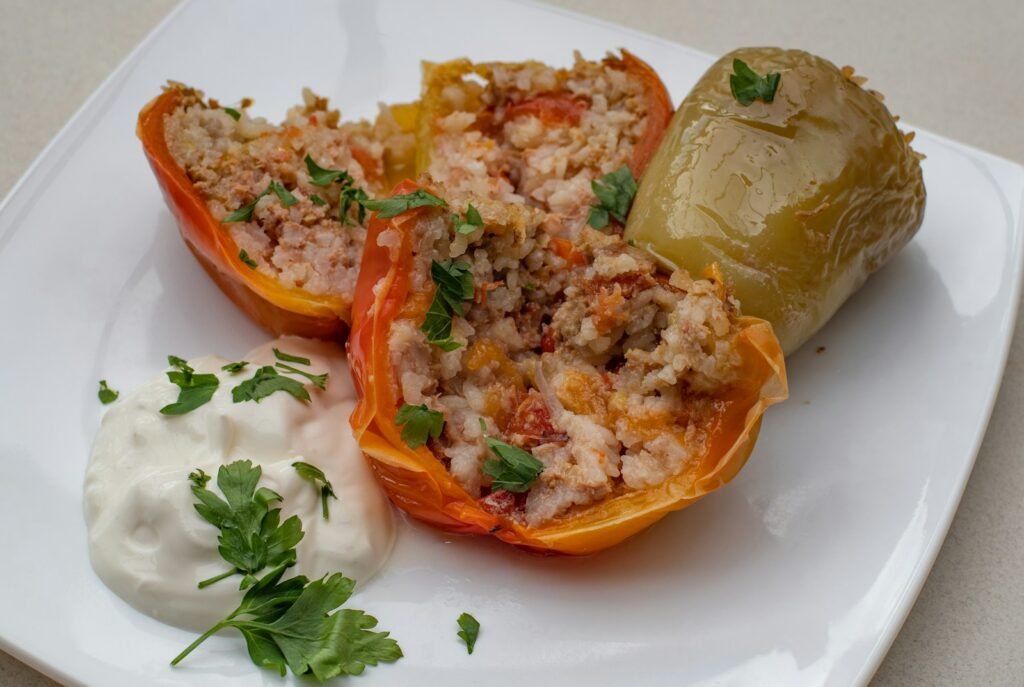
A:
418, 483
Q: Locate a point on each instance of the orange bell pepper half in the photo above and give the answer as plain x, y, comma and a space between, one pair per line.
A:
418, 483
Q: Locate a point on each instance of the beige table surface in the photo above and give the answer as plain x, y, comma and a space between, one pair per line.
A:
953, 67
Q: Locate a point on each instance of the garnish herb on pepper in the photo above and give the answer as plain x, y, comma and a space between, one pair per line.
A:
419, 424
614, 193
747, 85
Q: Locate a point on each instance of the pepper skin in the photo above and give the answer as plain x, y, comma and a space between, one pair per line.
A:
798, 200
419, 484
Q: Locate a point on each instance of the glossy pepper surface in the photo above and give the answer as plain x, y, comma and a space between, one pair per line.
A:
418, 482
798, 200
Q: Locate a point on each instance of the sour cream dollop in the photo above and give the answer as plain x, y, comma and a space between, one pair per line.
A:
149, 545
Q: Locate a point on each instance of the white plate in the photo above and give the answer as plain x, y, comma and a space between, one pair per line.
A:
799, 573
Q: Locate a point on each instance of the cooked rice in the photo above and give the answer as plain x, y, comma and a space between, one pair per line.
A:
605, 372
304, 246
486, 141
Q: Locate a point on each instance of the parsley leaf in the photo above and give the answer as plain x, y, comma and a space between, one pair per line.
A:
420, 423
317, 200
265, 382
106, 394
515, 470
319, 380
472, 222
352, 194
319, 479
396, 205
614, 193
244, 257
286, 198
747, 85
291, 624
244, 213
194, 389
318, 176
252, 535
233, 113
454, 281
470, 630
235, 368
289, 358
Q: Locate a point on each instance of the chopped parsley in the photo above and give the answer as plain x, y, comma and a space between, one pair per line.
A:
469, 630
194, 389
747, 85
244, 213
318, 176
233, 113
396, 205
235, 368
317, 200
252, 535
289, 358
315, 475
350, 195
514, 470
319, 380
244, 257
419, 424
614, 193
472, 222
106, 394
265, 382
454, 284
286, 198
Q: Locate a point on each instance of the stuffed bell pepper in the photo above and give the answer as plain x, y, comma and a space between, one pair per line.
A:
529, 133
272, 212
561, 397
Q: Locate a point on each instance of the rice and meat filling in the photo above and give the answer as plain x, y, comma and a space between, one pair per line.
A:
304, 235
530, 133
602, 369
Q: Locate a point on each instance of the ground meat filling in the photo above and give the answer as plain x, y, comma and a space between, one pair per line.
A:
605, 372
535, 134
231, 162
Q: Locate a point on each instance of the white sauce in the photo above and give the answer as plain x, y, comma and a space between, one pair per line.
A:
146, 541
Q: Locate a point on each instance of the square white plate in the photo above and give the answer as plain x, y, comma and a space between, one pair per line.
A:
799, 573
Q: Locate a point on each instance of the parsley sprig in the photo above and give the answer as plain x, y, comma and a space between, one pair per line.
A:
290, 624
252, 535
419, 423
747, 85
514, 469
615, 192
454, 285
296, 623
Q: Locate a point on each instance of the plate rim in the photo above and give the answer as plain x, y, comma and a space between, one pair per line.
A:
908, 596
